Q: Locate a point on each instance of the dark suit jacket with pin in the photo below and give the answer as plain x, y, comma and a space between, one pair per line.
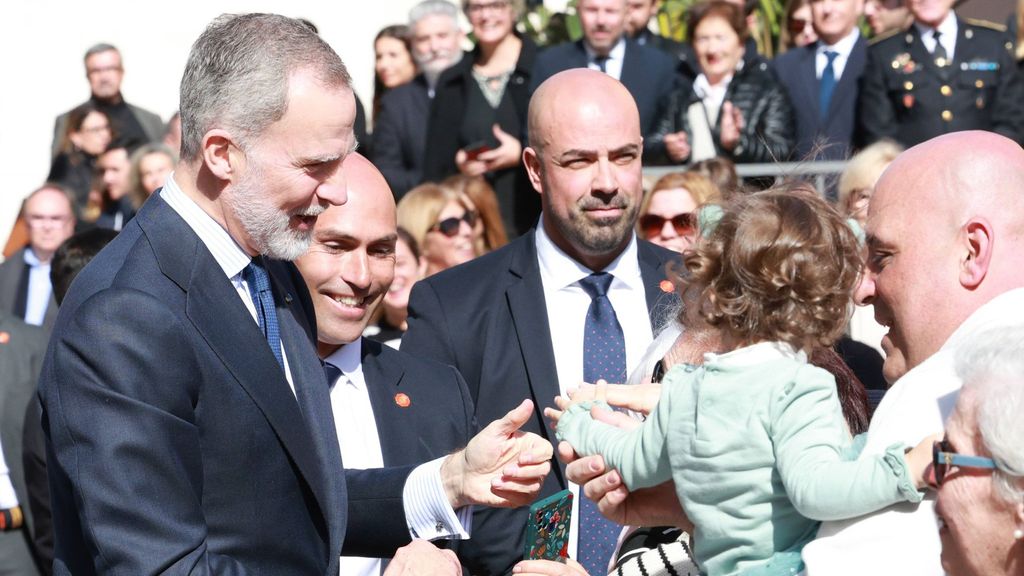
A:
487, 318
174, 443
832, 132
906, 97
648, 73
12, 274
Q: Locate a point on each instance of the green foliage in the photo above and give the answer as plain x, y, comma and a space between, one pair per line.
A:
547, 27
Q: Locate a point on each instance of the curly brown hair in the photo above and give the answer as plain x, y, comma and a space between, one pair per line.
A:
781, 265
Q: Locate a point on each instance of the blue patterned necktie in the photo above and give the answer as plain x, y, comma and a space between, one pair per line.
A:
604, 356
256, 278
828, 84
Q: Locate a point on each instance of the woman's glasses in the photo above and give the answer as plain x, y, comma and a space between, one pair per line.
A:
684, 224
943, 457
450, 226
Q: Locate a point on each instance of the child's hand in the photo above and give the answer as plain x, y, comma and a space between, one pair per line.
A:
919, 461
585, 393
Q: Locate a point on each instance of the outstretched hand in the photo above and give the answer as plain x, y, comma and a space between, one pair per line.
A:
501, 467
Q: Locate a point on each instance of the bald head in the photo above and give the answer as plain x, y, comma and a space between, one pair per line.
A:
351, 261
584, 160
577, 96
945, 231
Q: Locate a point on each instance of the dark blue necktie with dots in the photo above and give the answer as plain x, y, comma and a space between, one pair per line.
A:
256, 278
604, 356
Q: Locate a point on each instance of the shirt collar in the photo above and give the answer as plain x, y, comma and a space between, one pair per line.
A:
228, 254
947, 28
844, 46
348, 358
562, 270
618, 52
32, 260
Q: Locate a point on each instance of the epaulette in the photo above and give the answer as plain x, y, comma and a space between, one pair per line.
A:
985, 24
884, 36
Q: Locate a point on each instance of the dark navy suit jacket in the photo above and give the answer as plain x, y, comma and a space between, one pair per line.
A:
835, 132
400, 135
488, 319
174, 442
648, 73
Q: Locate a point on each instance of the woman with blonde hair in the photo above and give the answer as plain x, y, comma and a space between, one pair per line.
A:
668, 213
489, 232
441, 220
857, 183
150, 166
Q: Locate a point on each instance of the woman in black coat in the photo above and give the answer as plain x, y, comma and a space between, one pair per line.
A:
734, 108
479, 109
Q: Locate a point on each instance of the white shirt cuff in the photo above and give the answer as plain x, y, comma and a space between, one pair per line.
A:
8, 499
428, 513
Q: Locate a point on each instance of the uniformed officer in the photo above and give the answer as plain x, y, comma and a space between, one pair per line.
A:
942, 74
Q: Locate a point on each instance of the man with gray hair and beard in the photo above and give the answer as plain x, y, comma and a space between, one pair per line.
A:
187, 417
400, 131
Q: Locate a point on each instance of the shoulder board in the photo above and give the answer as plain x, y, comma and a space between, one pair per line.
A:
985, 24
885, 36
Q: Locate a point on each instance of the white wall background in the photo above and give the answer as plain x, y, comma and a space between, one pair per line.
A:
42, 43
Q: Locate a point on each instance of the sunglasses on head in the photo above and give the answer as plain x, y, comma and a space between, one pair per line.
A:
450, 226
684, 224
943, 457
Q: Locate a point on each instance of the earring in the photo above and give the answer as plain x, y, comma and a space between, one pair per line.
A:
1018, 534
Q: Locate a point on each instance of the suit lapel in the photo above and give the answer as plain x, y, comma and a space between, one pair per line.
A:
632, 68
809, 84
216, 311
396, 428
529, 315
652, 270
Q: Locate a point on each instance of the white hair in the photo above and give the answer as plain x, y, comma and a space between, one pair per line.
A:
991, 366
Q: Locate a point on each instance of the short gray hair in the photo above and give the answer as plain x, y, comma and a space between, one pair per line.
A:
238, 72
433, 8
992, 367
99, 49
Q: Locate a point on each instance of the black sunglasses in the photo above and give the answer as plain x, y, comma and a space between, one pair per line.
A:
450, 226
943, 457
684, 224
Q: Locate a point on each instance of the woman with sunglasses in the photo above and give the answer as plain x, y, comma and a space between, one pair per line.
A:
441, 220
979, 467
668, 213
797, 30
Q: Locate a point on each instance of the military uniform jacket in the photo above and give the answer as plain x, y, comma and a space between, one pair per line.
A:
907, 96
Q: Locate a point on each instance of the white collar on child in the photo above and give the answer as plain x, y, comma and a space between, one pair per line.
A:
755, 354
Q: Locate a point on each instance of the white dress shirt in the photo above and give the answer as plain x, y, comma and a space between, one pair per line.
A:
613, 65
567, 304
229, 255
843, 48
904, 538
39, 289
8, 499
948, 29
427, 510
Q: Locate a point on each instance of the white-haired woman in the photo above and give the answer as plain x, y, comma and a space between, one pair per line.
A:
979, 467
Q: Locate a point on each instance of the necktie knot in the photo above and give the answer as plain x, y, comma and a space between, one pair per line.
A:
258, 281
596, 285
831, 55
255, 275
602, 63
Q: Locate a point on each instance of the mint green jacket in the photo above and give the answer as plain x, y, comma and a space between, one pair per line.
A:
754, 440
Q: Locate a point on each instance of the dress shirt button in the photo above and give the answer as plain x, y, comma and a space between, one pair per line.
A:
439, 527
947, 115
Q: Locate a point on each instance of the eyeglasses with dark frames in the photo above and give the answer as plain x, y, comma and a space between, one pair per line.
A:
450, 226
943, 457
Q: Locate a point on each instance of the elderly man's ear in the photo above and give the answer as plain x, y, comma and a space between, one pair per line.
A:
220, 153
977, 244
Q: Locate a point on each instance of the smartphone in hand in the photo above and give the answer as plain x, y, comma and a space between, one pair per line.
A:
547, 531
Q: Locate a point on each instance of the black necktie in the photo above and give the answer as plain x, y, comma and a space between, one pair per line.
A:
939, 51
333, 374
604, 356
602, 63
256, 278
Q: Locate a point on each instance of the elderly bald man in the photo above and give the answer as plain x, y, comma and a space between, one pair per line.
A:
513, 321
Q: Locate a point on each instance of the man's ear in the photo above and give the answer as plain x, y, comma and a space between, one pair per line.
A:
220, 154
531, 160
977, 242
